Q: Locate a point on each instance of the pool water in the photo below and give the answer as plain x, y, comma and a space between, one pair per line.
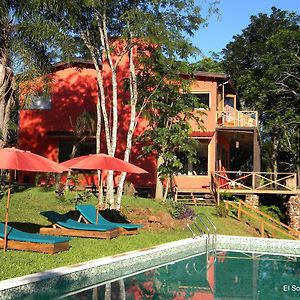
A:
227, 275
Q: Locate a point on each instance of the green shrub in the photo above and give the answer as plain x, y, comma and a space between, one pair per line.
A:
181, 211
221, 210
273, 211
228, 196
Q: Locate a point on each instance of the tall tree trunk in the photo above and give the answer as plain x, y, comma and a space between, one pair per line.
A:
111, 141
132, 123
7, 101
274, 156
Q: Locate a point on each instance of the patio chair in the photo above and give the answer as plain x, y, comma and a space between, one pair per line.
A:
20, 240
63, 225
88, 214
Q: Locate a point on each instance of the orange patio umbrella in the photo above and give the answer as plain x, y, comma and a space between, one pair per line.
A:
102, 162
15, 159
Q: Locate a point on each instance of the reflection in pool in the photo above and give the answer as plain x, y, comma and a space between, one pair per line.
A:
229, 275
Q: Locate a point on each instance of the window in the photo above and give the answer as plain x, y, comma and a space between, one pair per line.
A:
203, 99
200, 167
200, 100
65, 149
38, 102
229, 101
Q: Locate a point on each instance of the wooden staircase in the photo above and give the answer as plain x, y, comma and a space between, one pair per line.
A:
187, 190
204, 197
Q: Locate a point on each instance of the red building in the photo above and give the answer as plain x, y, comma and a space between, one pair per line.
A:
230, 140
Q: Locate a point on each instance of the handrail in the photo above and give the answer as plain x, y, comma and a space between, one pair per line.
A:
236, 118
214, 229
207, 227
260, 219
269, 217
259, 181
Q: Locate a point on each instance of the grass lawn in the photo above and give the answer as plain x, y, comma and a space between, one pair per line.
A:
24, 214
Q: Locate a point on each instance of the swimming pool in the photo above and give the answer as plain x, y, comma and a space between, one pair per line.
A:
64, 281
229, 275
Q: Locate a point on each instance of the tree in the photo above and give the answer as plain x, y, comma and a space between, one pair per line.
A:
119, 32
26, 48
209, 64
169, 111
264, 63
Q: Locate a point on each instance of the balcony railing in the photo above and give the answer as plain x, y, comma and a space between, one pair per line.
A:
234, 118
257, 181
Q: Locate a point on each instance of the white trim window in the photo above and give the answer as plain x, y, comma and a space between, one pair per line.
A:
204, 98
200, 167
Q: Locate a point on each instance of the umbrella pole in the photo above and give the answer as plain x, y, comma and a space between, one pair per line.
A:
6, 214
100, 194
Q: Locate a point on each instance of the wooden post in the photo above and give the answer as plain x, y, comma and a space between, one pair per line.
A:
262, 229
226, 206
6, 212
239, 211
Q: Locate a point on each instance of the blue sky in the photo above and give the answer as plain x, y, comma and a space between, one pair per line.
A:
234, 17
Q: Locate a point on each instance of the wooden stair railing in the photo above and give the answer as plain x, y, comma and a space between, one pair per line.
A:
293, 233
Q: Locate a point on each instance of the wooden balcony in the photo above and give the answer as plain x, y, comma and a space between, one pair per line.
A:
234, 118
257, 182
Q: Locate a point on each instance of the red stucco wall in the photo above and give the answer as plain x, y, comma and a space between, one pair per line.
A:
74, 90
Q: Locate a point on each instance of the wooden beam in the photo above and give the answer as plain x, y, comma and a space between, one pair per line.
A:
109, 234
36, 247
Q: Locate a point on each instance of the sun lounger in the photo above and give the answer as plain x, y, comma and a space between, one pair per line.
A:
62, 225
20, 240
88, 214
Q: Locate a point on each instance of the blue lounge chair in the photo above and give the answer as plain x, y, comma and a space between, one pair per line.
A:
20, 240
63, 225
88, 214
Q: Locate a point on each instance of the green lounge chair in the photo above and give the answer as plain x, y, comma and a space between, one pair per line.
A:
88, 214
20, 240
63, 225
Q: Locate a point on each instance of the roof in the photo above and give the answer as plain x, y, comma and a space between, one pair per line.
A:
202, 134
221, 78
76, 62
211, 74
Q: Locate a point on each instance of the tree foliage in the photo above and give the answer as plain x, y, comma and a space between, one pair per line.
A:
169, 110
264, 62
139, 30
209, 64
28, 46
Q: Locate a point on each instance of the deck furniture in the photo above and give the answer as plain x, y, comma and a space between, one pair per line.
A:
88, 214
63, 225
20, 240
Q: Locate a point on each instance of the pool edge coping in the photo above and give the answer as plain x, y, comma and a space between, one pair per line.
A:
224, 242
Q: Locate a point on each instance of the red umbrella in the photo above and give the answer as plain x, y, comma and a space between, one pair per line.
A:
16, 159
102, 162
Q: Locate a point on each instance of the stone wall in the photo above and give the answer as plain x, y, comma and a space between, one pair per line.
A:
253, 200
293, 206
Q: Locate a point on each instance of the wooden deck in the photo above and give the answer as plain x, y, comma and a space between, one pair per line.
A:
242, 183
255, 191
234, 182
